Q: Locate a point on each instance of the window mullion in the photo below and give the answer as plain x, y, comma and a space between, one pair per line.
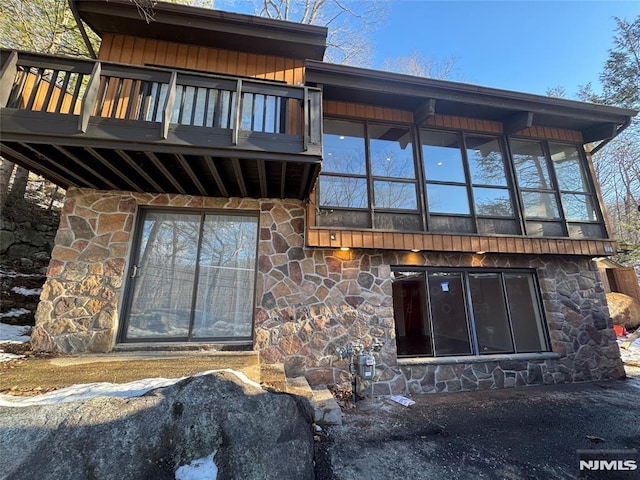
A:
471, 321
467, 174
368, 173
556, 186
420, 178
517, 197
508, 308
194, 295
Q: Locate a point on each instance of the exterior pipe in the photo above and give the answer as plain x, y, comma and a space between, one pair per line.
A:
83, 32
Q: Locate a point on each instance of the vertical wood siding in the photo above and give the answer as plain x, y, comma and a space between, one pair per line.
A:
141, 51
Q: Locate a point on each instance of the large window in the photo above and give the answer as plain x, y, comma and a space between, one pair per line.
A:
467, 312
373, 177
368, 177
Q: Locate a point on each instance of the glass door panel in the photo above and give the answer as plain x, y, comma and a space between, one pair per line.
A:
162, 287
448, 314
226, 277
490, 313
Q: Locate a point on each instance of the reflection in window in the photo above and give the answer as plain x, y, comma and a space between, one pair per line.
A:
391, 152
567, 165
343, 144
448, 199
394, 195
530, 164
492, 202
437, 315
442, 157
485, 161
343, 192
540, 205
578, 207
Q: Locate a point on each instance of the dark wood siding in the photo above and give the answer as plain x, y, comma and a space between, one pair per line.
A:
141, 51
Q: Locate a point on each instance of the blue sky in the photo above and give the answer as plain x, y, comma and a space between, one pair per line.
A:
526, 46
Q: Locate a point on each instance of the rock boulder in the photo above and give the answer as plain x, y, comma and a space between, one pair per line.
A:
624, 310
255, 434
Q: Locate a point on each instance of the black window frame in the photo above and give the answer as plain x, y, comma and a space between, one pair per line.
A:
468, 306
472, 223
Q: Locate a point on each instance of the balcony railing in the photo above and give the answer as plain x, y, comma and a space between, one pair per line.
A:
240, 113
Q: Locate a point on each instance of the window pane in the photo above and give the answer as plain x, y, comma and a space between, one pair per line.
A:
343, 144
538, 204
448, 314
485, 161
413, 335
578, 207
343, 218
224, 306
530, 164
391, 151
442, 156
163, 288
495, 202
490, 313
448, 199
443, 223
395, 195
526, 319
343, 192
407, 222
569, 171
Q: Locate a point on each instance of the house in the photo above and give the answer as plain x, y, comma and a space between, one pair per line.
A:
227, 187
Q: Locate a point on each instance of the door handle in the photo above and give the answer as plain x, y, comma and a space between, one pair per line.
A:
134, 271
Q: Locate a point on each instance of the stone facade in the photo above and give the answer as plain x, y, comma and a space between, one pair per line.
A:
309, 301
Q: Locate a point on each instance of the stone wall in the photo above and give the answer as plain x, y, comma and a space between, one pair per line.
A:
27, 239
311, 300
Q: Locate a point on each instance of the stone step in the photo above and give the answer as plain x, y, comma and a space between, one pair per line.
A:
299, 386
272, 375
326, 410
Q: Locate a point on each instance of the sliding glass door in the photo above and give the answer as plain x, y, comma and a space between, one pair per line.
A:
192, 277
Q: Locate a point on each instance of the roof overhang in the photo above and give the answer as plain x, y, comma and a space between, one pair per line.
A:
425, 96
205, 27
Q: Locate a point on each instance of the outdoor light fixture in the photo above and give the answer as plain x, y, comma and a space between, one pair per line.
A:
481, 252
332, 236
415, 250
345, 249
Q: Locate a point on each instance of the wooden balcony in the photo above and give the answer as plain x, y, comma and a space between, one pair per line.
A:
121, 127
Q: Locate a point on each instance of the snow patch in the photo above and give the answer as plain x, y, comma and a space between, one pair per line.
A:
14, 312
27, 292
631, 354
200, 469
14, 274
14, 333
104, 389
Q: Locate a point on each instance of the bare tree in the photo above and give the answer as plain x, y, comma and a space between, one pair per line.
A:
419, 65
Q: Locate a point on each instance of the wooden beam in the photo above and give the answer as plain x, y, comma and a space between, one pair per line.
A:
599, 132
139, 170
160, 166
194, 178
424, 111
517, 122
34, 166
239, 177
114, 169
216, 175
85, 166
82, 181
90, 97
7, 77
262, 174
305, 180
283, 183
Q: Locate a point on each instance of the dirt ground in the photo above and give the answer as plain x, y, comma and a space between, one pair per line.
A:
523, 433
38, 373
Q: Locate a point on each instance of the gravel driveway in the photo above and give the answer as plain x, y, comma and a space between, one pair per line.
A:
523, 433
